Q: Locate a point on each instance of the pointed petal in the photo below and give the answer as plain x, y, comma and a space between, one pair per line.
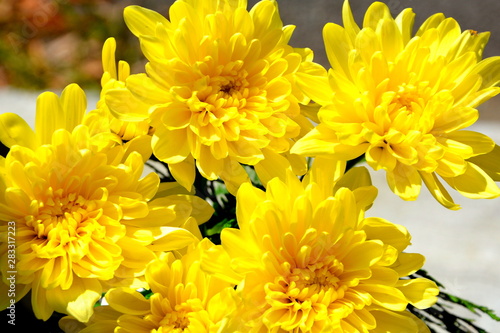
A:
438, 191
125, 106
252, 197
217, 262
404, 181
392, 321
337, 45
233, 175
128, 301
420, 292
489, 163
49, 116
474, 183
74, 105
323, 141
173, 239
108, 57
146, 89
208, 165
15, 131
325, 171
170, 146
315, 87
78, 301
143, 21
273, 165
479, 143
184, 172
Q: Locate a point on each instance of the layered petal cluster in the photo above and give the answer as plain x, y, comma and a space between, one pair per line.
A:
184, 299
114, 78
85, 218
221, 88
405, 102
309, 262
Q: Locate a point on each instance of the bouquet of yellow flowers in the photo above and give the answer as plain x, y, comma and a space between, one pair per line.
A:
225, 188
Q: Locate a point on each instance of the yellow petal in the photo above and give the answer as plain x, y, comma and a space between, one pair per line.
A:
21, 291
478, 143
146, 89
438, 191
316, 87
134, 254
391, 321
380, 157
140, 144
71, 325
489, 163
322, 140
184, 172
430, 23
217, 262
125, 106
489, 69
78, 301
15, 131
200, 209
474, 183
170, 146
350, 25
422, 293
455, 119
357, 177
49, 116
385, 296
408, 263
233, 175
251, 196
325, 171
389, 233
404, 181
108, 57
451, 164
74, 105
363, 255
376, 13
390, 38
173, 239
337, 45
128, 301
405, 21
142, 21
208, 165
273, 165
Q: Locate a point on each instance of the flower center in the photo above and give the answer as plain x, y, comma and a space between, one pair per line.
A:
306, 292
314, 279
408, 99
304, 284
66, 223
175, 321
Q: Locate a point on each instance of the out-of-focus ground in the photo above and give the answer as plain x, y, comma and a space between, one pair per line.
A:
462, 247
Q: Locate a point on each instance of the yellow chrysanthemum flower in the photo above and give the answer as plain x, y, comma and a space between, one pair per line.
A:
404, 101
114, 78
85, 218
221, 86
184, 299
309, 262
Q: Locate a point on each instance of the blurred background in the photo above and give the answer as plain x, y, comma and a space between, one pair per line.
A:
47, 44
